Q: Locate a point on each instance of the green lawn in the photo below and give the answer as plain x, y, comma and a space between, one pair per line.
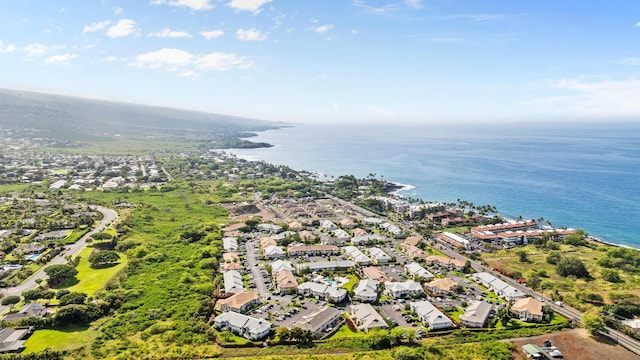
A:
345, 332
92, 280
59, 339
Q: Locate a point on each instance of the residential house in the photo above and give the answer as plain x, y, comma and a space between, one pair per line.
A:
267, 241
371, 221
366, 317
455, 240
418, 272
243, 325
366, 290
347, 223
323, 320
404, 289
412, 251
322, 291
366, 239
274, 252
340, 234
356, 255
280, 265
326, 265
32, 248
477, 314
269, 228
233, 282
497, 286
445, 261
328, 225
528, 309
374, 273
430, 315
239, 302
441, 286
12, 339
313, 250
378, 256
230, 244
285, 281
29, 310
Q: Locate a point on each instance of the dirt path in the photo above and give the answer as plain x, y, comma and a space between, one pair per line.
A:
576, 344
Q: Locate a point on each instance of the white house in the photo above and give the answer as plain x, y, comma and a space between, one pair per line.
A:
321, 321
356, 255
230, 244
366, 317
322, 291
417, 271
274, 252
477, 314
233, 282
279, 265
499, 287
528, 309
403, 289
328, 225
378, 255
430, 315
367, 290
243, 325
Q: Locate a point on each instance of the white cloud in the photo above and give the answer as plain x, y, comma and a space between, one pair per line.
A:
111, 59
168, 33
117, 11
96, 26
248, 5
250, 35
383, 112
630, 61
39, 50
124, 27
595, 98
380, 10
212, 34
637, 24
476, 17
191, 4
60, 58
188, 64
322, 29
416, 4
6, 49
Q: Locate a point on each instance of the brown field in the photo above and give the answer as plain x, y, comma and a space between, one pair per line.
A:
577, 344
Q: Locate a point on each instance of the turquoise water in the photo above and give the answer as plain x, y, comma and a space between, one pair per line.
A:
331, 282
33, 257
574, 175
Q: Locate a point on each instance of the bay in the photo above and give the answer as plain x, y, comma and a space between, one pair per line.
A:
578, 175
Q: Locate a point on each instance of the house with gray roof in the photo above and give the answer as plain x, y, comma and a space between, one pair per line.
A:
417, 271
431, 316
356, 255
233, 282
366, 317
322, 291
13, 339
320, 322
29, 310
243, 325
230, 244
366, 290
499, 287
403, 289
326, 265
477, 314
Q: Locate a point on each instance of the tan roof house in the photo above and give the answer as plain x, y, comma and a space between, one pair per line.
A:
239, 302
441, 286
285, 281
528, 309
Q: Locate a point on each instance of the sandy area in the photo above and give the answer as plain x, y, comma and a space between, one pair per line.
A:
577, 344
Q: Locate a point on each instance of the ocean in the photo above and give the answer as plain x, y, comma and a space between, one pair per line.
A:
576, 175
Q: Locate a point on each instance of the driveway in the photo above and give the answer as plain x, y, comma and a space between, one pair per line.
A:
252, 264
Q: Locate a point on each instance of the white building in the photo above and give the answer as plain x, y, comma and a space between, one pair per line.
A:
366, 239
274, 252
499, 287
328, 225
322, 291
233, 282
430, 315
477, 314
366, 317
243, 325
326, 265
279, 265
367, 290
378, 256
356, 255
230, 244
403, 289
417, 271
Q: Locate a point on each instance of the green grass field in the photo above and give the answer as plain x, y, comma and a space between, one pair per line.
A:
59, 339
345, 332
91, 280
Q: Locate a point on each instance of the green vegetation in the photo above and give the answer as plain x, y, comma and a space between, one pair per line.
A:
68, 338
90, 280
59, 275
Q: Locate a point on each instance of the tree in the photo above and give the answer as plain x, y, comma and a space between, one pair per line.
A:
37, 293
504, 315
405, 353
523, 256
593, 323
553, 258
396, 335
572, 266
104, 258
73, 298
611, 275
411, 334
10, 300
60, 274
378, 339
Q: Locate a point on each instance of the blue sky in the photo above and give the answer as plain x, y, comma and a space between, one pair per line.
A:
334, 61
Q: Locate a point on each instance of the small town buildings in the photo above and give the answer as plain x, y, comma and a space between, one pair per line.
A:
340, 234
31, 248
356, 255
243, 325
445, 261
230, 244
328, 225
267, 241
366, 317
477, 314
393, 230
319, 323
285, 281
269, 228
431, 316
533, 351
322, 291
366, 290
29, 310
326, 265
374, 273
528, 309
12, 339
404, 289
361, 240
412, 251
280, 265
455, 240
371, 221
347, 223
274, 252
239, 302
378, 256
313, 250
418, 272
441, 286
233, 282
497, 286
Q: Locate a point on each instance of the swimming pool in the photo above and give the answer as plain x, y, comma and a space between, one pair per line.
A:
33, 257
331, 282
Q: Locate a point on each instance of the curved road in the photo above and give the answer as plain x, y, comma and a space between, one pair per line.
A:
108, 216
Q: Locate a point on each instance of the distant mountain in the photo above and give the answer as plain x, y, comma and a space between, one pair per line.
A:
76, 119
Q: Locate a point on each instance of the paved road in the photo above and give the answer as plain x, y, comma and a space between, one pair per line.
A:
252, 262
108, 216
